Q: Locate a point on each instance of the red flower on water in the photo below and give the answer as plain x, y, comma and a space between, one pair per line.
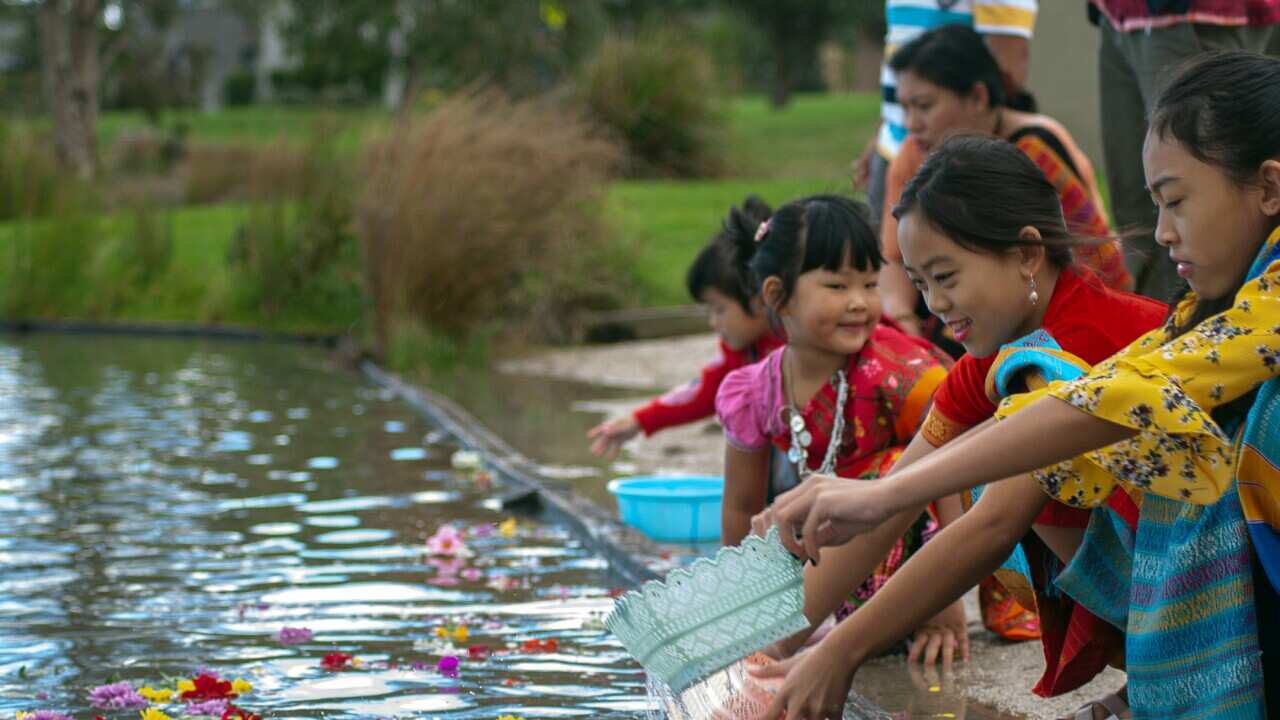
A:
537, 646
336, 661
209, 687
478, 652
234, 713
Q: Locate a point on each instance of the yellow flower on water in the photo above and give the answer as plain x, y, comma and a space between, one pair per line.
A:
153, 714
241, 686
20, 715
510, 717
457, 634
155, 695
186, 686
508, 527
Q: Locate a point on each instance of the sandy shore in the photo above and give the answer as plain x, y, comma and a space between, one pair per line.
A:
999, 674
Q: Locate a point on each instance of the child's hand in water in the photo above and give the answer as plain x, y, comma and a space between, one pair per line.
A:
824, 511
607, 437
815, 684
941, 637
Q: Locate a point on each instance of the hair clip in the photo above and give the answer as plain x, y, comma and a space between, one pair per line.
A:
762, 230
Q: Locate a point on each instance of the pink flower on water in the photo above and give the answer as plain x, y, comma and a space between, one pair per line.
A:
484, 530
214, 708
46, 715
447, 541
116, 696
472, 574
293, 635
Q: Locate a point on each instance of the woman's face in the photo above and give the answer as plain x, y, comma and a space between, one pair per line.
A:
932, 112
1212, 225
982, 297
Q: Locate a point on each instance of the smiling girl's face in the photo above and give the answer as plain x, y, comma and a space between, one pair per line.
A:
983, 297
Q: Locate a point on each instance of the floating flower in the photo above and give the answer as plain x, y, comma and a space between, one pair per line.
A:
153, 714
211, 708
154, 695
472, 574
478, 652
446, 541
235, 713
185, 686
116, 696
448, 666
483, 530
510, 717
465, 460
458, 633
207, 686
540, 646
293, 635
336, 661
508, 527
42, 715
241, 686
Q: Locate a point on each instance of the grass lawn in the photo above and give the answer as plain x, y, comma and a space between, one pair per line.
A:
778, 154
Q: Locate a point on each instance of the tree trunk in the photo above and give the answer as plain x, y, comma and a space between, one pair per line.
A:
69, 49
780, 93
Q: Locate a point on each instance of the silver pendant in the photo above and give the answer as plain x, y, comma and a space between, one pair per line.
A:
797, 422
794, 455
806, 439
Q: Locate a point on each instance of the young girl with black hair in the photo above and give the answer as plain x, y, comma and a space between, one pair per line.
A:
983, 238
847, 392
718, 279
949, 84
1185, 417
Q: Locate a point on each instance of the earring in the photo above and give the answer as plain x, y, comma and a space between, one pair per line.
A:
1033, 296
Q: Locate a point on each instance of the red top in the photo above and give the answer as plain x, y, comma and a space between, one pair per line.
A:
1088, 320
696, 400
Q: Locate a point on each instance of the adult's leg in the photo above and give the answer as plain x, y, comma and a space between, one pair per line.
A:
1124, 126
875, 188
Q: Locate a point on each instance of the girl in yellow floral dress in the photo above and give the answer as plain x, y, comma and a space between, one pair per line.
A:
1186, 419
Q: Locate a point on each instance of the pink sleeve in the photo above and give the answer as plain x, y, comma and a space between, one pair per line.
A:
748, 404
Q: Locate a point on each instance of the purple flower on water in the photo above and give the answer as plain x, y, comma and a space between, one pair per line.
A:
117, 696
448, 666
208, 707
47, 715
293, 635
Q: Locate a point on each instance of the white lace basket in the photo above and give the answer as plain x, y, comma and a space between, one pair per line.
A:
717, 611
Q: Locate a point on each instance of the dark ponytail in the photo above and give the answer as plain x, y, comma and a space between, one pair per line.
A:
723, 263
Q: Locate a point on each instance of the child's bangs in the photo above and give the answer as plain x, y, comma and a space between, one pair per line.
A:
836, 232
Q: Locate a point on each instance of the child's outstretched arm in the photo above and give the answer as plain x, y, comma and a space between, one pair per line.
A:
746, 490
829, 511
948, 565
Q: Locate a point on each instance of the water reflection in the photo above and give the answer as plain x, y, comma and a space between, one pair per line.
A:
176, 504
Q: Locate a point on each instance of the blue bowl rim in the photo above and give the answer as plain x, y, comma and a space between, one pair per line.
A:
712, 488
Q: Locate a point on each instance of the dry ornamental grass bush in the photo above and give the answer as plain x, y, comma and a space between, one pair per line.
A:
485, 208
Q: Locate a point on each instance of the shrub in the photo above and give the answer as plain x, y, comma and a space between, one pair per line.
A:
485, 208
660, 96
297, 255
239, 89
30, 180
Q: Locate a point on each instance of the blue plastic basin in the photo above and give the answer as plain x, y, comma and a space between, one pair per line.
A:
671, 509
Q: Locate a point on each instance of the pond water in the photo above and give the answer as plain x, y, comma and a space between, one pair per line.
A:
173, 505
